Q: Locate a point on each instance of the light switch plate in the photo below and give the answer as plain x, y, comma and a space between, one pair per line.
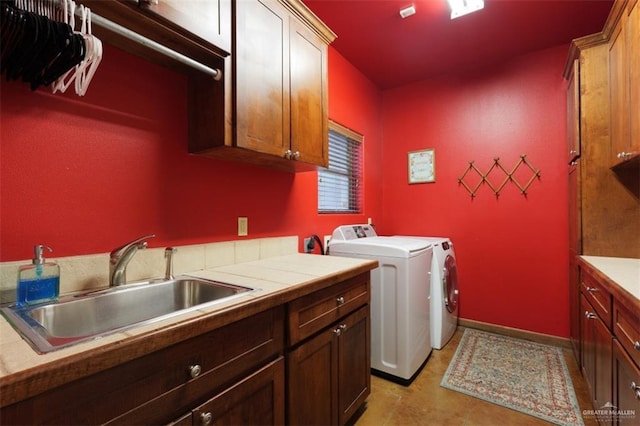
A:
243, 226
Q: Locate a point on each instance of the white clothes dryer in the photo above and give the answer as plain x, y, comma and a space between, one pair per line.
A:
400, 287
444, 290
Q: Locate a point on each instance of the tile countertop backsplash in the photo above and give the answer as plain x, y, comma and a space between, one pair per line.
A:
89, 272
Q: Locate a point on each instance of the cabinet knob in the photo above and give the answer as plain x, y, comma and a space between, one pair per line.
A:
624, 155
194, 371
296, 155
589, 315
573, 152
337, 331
636, 345
287, 154
206, 418
592, 289
343, 327
340, 300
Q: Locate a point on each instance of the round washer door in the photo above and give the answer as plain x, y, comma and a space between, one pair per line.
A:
450, 284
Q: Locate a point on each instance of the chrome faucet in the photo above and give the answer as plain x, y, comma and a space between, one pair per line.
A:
168, 254
120, 257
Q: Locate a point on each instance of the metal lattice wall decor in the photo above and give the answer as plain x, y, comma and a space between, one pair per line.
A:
509, 176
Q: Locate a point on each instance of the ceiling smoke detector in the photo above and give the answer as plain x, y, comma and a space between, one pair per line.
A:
408, 11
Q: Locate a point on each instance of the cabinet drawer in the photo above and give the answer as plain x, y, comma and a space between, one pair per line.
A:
310, 314
626, 386
598, 296
256, 399
626, 327
158, 387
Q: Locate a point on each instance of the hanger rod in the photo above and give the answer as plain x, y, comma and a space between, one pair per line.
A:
131, 35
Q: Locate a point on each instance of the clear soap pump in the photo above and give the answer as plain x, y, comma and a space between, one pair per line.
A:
40, 281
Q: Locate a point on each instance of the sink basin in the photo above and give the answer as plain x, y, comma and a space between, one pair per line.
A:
86, 316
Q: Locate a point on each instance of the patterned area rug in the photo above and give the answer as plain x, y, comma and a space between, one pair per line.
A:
525, 376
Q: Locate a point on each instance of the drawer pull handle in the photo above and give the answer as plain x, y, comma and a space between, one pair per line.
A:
338, 331
194, 371
206, 418
636, 389
589, 315
636, 345
340, 300
592, 289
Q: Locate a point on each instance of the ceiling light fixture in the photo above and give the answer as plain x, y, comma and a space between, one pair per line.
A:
463, 7
408, 11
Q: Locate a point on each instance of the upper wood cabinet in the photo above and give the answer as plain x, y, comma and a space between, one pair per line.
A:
197, 29
278, 111
624, 88
261, 76
208, 20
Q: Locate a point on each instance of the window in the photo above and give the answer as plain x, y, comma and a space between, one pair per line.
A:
339, 185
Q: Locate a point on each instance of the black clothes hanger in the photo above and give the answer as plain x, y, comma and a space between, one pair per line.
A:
35, 48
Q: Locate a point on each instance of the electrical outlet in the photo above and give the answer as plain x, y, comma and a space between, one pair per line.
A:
243, 226
307, 245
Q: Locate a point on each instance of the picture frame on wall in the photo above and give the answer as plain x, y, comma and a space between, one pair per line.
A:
422, 166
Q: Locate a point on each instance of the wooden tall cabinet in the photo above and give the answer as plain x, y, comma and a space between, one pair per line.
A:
604, 210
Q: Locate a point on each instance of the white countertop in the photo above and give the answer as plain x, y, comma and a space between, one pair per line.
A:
623, 271
268, 276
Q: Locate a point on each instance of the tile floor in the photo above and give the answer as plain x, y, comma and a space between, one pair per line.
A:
424, 402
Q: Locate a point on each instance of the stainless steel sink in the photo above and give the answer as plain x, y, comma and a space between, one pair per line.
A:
86, 316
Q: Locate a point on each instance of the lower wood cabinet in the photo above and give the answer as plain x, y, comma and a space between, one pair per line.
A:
256, 400
596, 355
626, 386
329, 373
306, 361
160, 387
609, 346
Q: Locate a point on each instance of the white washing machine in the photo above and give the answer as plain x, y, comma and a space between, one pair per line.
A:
444, 290
400, 307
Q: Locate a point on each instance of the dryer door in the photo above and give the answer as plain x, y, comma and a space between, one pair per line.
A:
450, 284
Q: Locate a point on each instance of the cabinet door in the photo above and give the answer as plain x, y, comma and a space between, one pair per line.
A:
257, 399
210, 20
354, 363
329, 376
633, 37
573, 112
312, 375
596, 355
308, 70
618, 92
262, 76
626, 385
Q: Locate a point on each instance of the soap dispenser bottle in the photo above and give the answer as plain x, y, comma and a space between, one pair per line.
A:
40, 281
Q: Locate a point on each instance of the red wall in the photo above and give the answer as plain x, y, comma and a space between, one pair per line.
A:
512, 250
85, 174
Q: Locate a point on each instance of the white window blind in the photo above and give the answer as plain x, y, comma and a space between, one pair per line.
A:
339, 185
